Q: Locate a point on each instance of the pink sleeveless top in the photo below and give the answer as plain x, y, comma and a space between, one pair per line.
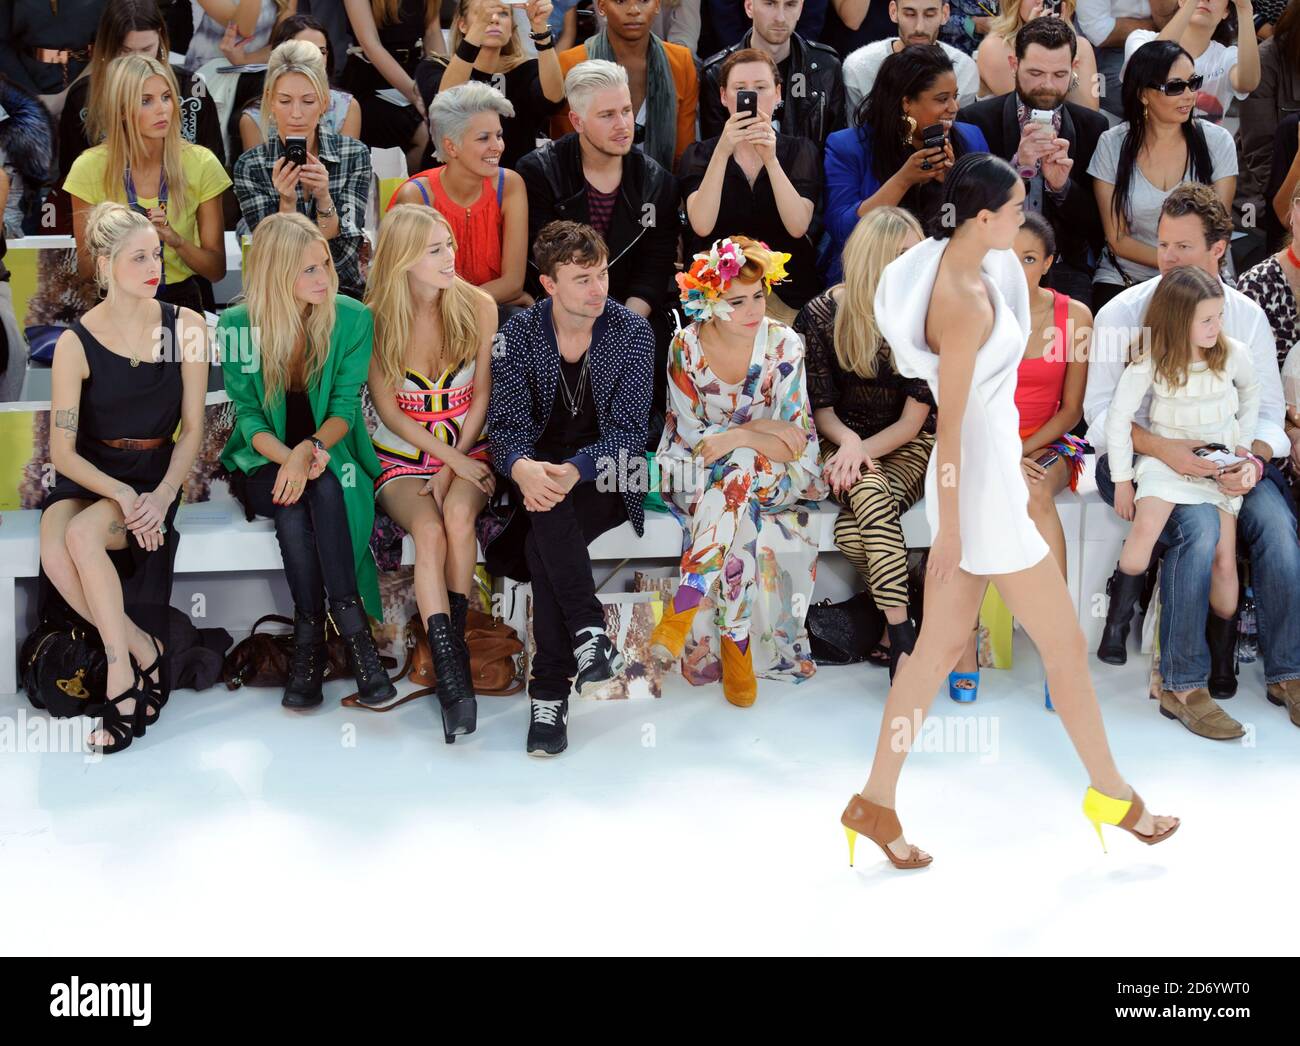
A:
1040, 382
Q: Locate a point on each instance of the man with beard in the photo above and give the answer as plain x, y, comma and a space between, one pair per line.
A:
594, 176
1053, 159
812, 102
918, 22
661, 78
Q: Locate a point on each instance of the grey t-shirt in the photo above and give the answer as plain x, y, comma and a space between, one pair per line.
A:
1145, 200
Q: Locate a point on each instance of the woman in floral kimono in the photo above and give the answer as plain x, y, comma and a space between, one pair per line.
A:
738, 459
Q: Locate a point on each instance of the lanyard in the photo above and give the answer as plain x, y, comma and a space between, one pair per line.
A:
128, 183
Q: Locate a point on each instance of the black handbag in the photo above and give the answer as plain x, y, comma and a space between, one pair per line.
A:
844, 633
64, 670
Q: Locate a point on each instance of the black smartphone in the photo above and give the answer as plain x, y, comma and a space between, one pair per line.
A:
1047, 458
933, 137
295, 150
1051, 9
747, 102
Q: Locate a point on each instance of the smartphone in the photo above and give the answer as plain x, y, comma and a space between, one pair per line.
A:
1048, 458
1051, 9
1041, 116
295, 150
1219, 454
747, 102
934, 136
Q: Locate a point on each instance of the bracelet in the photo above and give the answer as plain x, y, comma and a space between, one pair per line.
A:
468, 52
326, 214
1260, 462
542, 35
539, 46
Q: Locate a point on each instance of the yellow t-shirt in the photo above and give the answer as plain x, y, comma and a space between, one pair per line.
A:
204, 178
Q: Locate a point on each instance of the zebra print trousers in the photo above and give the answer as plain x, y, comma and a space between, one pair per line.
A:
868, 530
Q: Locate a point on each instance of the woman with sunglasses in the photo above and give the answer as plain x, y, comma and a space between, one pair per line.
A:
1160, 144
1224, 48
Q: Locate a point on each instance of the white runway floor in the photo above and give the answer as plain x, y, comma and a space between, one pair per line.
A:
677, 826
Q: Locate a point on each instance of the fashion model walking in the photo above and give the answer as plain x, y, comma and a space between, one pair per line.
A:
955, 311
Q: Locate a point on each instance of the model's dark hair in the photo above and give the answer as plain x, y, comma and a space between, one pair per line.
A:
1041, 228
1050, 33
1148, 68
977, 182
567, 243
906, 74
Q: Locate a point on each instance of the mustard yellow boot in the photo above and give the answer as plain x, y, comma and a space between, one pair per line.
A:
738, 683
669, 637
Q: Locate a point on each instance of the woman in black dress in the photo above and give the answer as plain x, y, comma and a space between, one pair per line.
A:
391, 36
123, 378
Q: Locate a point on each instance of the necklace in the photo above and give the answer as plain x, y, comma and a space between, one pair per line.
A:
573, 398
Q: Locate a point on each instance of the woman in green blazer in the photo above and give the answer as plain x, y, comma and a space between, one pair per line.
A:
294, 356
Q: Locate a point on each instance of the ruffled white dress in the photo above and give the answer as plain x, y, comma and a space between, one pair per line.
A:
997, 535
1215, 407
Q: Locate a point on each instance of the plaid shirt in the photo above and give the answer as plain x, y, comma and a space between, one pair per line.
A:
348, 163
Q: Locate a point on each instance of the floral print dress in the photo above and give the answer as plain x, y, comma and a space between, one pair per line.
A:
747, 521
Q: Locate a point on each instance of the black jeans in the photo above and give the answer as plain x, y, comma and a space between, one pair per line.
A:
564, 592
313, 534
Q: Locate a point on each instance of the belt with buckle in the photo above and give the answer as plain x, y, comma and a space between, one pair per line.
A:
136, 444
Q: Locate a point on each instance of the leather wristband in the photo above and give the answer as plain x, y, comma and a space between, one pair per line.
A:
468, 52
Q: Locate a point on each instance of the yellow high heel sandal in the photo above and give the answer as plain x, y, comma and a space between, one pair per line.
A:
669, 637
1100, 808
880, 825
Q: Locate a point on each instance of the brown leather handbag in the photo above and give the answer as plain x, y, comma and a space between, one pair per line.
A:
492, 649
263, 659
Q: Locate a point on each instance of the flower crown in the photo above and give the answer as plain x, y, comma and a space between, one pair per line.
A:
711, 272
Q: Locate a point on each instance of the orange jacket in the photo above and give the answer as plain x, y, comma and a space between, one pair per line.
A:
687, 86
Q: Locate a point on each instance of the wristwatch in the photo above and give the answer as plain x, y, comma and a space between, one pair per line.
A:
316, 443
326, 214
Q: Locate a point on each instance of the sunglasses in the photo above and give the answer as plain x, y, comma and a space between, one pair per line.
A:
1171, 88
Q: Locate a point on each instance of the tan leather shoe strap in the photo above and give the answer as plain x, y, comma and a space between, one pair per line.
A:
1134, 813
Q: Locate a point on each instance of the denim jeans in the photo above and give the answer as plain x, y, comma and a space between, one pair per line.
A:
313, 534
1268, 530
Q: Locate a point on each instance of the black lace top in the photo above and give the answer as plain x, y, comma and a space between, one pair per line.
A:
866, 405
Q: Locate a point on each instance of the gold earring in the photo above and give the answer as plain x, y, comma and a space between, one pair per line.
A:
909, 127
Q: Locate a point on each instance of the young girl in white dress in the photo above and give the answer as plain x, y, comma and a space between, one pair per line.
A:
1202, 386
955, 311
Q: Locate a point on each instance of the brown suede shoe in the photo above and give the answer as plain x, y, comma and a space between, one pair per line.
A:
1287, 693
1201, 715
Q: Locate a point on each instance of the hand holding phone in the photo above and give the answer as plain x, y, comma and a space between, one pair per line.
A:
747, 103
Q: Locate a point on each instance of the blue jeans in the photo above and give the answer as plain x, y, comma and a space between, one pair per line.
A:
1267, 528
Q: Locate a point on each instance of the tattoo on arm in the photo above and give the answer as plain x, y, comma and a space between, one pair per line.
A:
66, 419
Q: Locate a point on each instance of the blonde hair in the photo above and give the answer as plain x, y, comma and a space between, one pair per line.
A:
275, 315
1008, 22
512, 54
108, 226
872, 245
294, 56
124, 144
1169, 319
403, 240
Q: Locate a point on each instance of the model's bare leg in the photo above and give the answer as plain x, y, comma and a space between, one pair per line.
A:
950, 606
1040, 601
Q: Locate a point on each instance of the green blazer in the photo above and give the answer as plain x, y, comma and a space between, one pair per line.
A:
336, 394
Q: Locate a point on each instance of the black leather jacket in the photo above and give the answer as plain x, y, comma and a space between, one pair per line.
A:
814, 106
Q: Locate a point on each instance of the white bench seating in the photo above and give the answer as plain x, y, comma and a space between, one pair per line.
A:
217, 538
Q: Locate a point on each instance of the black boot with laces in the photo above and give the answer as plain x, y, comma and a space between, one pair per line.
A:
548, 732
455, 695
350, 621
308, 662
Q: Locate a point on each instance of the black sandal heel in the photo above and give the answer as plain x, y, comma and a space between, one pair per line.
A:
902, 640
123, 729
156, 694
